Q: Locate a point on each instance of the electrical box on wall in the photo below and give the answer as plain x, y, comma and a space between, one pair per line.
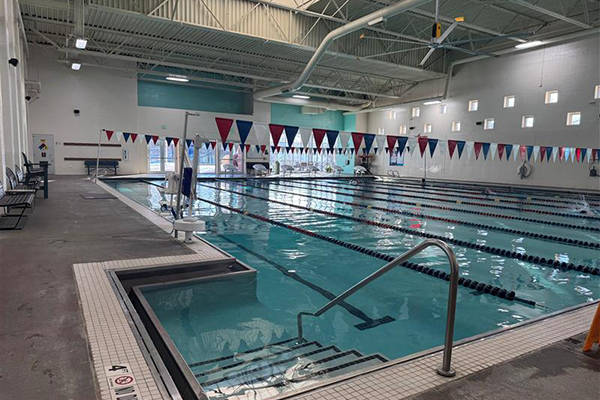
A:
125, 155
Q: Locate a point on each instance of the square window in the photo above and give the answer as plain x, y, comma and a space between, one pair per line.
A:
597, 92
489, 123
393, 114
552, 97
443, 108
416, 111
427, 128
574, 118
381, 130
455, 126
527, 121
473, 105
509, 101
402, 130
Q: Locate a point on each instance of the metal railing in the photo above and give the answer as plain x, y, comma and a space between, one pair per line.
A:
446, 368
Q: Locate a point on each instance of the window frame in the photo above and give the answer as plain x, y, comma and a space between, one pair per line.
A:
485, 124
507, 99
456, 126
402, 129
415, 112
473, 105
524, 121
427, 128
548, 97
570, 116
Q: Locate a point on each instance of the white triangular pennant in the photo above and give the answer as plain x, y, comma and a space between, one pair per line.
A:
380, 141
516, 150
262, 133
589, 154
119, 135
412, 145
344, 138
493, 150
572, 151
554, 153
469, 146
305, 134
536, 152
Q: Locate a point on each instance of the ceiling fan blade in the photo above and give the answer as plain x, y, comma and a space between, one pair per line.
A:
469, 51
447, 32
487, 38
429, 53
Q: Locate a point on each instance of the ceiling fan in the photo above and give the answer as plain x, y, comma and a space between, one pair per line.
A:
437, 38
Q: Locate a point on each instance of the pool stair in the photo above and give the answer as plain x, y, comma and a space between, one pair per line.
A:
270, 370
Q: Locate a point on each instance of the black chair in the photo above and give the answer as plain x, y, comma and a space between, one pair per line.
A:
21, 177
15, 184
32, 171
14, 200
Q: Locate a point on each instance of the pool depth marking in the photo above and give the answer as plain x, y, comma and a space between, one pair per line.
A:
368, 321
469, 203
479, 286
487, 249
570, 242
461, 210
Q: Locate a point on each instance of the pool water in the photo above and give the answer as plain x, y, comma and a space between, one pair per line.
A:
297, 272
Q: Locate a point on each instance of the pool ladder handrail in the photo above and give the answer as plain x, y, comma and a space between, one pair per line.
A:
446, 368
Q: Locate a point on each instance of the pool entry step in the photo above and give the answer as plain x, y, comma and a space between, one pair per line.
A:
283, 366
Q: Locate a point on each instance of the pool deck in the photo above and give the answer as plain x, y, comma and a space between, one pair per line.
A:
45, 354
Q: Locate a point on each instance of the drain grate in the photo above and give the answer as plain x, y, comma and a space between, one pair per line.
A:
97, 196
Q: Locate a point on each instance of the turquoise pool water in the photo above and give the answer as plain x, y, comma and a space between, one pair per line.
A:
296, 272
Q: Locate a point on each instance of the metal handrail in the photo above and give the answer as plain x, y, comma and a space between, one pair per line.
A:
446, 368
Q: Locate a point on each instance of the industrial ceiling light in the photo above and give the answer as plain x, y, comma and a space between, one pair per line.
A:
177, 78
75, 66
432, 102
300, 96
527, 45
80, 43
375, 21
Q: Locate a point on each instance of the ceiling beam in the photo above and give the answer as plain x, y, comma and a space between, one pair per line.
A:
552, 14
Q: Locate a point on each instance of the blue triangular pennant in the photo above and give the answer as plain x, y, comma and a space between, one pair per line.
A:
169, 140
188, 142
548, 152
126, 136
402, 144
529, 152
486, 150
257, 147
508, 149
243, 129
460, 145
273, 149
432, 145
148, 138
369, 138
332, 137
290, 134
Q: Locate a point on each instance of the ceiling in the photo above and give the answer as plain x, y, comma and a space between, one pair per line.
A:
248, 45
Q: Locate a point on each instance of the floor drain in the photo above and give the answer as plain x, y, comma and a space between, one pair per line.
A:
99, 196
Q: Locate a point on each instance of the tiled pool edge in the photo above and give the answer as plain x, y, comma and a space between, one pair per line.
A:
397, 379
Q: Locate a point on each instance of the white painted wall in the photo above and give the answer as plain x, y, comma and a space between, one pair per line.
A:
571, 68
107, 99
13, 107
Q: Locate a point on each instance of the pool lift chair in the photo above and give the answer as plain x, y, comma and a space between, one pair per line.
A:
287, 169
260, 170
337, 170
188, 224
360, 170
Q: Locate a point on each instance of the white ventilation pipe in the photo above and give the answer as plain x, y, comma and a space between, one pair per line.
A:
367, 20
328, 105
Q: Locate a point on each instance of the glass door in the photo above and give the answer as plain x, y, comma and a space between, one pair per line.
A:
231, 160
161, 158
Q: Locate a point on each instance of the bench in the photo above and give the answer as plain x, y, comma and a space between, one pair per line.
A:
20, 184
109, 164
19, 199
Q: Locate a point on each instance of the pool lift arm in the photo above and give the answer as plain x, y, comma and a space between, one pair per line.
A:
189, 224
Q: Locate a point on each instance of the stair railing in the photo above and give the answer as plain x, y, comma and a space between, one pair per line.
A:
446, 368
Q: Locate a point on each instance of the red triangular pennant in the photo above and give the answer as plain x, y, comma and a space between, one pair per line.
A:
451, 147
230, 146
247, 148
154, 139
133, 137
477, 147
319, 134
500, 150
263, 148
213, 145
175, 141
423, 140
542, 153
224, 126
109, 134
276, 131
357, 140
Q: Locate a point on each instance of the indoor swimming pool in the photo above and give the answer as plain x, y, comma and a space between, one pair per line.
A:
522, 255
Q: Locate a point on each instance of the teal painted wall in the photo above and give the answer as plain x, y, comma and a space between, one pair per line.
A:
158, 94
350, 123
289, 114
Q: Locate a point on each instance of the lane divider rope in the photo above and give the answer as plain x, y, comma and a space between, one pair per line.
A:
533, 235
470, 203
486, 249
461, 210
469, 283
